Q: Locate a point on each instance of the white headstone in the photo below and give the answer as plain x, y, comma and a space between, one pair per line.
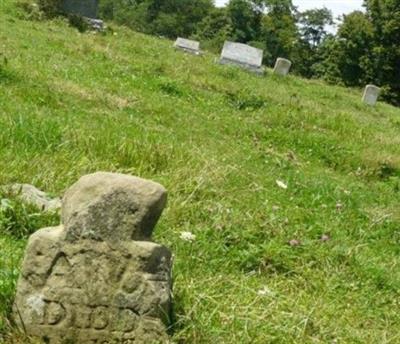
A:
242, 55
188, 45
371, 94
282, 66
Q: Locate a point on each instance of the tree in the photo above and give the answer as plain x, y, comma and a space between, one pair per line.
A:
245, 17
279, 31
313, 25
214, 29
345, 57
384, 66
169, 18
355, 38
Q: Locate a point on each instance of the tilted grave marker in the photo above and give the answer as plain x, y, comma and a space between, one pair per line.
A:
371, 95
242, 55
188, 45
98, 277
282, 66
29, 194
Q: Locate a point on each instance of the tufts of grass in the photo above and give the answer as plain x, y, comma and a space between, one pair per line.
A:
6, 75
10, 260
19, 220
245, 101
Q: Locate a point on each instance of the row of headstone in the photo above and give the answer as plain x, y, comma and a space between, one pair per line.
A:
239, 54
250, 58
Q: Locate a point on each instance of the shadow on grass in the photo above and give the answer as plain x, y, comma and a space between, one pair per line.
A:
245, 102
177, 317
7, 76
8, 328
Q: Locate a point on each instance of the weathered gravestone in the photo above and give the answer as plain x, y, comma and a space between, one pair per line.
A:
242, 55
98, 278
188, 45
371, 95
29, 194
95, 24
282, 66
83, 8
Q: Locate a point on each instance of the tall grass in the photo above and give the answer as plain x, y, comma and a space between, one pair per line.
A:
317, 262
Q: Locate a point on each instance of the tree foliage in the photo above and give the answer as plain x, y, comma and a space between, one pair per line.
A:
279, 31
384, 62
245, 18
313, 24
168, 18
366, 49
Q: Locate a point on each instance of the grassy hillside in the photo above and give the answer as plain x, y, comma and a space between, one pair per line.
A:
219, 139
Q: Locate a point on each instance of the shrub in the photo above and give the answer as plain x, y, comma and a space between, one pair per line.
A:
5, 73
50, 8
78, 22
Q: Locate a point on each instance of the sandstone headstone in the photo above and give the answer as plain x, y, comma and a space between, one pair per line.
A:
30, 194
282, 66
371, 95
83, 8
242, 55
98, 278
187, 45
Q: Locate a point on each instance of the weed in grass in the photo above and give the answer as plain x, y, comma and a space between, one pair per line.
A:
245, 101
171, 88
6, 75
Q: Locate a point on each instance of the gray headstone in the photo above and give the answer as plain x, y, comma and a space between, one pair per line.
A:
95, 24
98, 277
84, 8
371, 94
31, 195
282, 66
187, 45
242, 55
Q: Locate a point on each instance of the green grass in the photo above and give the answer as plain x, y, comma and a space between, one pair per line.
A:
218, 138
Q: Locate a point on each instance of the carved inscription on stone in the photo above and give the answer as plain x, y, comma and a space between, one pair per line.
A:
83, 285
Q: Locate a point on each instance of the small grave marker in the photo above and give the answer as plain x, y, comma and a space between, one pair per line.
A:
371, 95
188, 45
282, 66
31, 195
242, 55
95, 24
